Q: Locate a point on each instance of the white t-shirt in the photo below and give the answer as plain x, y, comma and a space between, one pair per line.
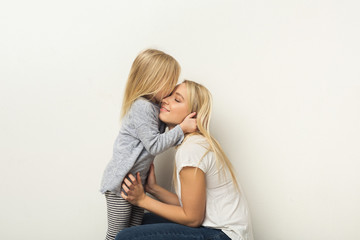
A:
226, 208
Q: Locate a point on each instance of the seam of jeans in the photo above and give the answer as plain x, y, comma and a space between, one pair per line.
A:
170, 234
217, 236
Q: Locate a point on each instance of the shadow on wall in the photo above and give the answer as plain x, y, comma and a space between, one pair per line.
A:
164, 166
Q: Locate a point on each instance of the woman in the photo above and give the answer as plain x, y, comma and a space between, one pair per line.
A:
208, 203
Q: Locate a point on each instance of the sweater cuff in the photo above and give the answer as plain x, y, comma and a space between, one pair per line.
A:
179, 133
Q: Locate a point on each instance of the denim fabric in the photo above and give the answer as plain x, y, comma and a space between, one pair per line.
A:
155, 227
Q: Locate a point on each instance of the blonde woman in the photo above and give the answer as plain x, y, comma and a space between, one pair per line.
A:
209, 203
153, 75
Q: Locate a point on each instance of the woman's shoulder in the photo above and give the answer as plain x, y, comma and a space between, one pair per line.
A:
194, 139
194, 144
194, 152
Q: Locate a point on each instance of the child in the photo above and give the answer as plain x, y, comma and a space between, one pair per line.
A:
152, 77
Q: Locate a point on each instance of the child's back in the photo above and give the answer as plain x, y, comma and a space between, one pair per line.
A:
137, 144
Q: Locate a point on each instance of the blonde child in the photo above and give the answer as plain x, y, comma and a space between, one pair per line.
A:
152, 77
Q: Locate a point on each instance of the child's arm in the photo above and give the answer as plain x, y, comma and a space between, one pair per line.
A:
154, 142
147, 129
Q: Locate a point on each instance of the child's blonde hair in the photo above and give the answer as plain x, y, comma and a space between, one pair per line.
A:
151, 72
200, 101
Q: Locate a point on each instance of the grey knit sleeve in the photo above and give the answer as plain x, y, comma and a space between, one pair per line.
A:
147, 130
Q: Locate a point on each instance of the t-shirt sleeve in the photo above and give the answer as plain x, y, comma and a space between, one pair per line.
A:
146, 123
192, 155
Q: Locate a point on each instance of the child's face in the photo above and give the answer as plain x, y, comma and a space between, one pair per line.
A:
175, 108
160, 95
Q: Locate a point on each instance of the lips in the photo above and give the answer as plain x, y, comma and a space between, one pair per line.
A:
164, 109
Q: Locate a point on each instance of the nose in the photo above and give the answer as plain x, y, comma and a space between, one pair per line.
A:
165, 101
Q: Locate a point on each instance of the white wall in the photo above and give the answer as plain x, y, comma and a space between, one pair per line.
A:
285, 80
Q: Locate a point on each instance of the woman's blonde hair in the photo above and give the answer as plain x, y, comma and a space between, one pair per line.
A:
151, 72
200, 101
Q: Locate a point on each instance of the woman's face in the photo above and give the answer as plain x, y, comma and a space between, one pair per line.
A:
174, 108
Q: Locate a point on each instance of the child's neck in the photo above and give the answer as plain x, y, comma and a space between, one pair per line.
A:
170, 126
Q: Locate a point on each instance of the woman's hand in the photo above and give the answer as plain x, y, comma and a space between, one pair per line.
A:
134, 189
151, 180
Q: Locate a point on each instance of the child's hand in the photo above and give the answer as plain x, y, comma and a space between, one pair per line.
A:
189, 124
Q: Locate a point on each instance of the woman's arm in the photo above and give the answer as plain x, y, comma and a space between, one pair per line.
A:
157, 191
164, 195
193, 197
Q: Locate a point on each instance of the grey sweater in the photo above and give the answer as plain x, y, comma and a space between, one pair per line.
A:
141, 137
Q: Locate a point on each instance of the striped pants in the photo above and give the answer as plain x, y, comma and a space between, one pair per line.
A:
121, 214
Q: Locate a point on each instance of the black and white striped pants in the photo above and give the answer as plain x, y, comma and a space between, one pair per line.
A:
121, 214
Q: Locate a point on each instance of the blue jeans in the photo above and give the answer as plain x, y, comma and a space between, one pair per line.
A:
155, 227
